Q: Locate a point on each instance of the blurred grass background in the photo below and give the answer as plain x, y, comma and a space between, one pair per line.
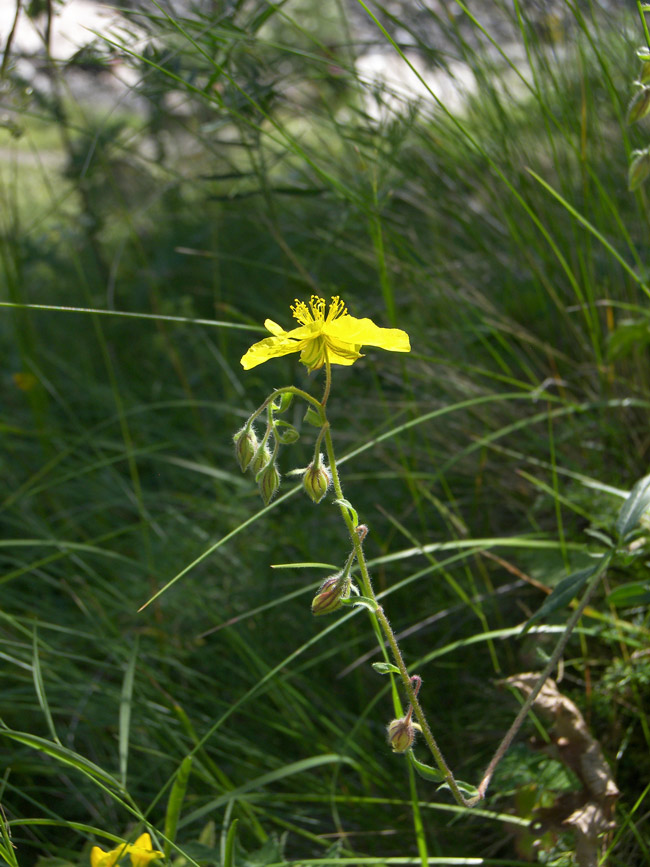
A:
252, 161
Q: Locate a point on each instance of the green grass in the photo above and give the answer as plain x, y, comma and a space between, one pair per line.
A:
502, 238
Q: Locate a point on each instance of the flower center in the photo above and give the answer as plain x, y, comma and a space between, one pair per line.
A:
316, 310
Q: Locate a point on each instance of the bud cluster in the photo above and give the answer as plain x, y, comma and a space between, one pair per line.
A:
257, 457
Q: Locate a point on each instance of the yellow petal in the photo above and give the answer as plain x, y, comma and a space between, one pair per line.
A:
273, 327
364, 332
270, 347
143, 841
340, 352
99, 858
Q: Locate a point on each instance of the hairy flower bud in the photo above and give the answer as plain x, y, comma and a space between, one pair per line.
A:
329, 595
268, 480
316, 481
401, 734
245, 447
260, 459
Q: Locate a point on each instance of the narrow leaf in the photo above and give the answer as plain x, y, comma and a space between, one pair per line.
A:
63, 755
562, 594
385, 668
426, 771
633, 593
175, 802
635, 505
229, 858
40, 689
125, 712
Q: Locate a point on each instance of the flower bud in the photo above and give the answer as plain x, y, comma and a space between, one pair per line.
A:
316, 481
245, 446
260, 459
268, 480
401, 734
329, 595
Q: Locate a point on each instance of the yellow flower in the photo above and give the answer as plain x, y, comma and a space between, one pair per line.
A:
141, 853
336, 337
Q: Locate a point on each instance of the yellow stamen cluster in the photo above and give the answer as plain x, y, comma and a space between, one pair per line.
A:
316, 309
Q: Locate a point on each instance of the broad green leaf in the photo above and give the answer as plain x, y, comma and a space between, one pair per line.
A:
385, 668
633, 593
434, 775
562, 594
634, 507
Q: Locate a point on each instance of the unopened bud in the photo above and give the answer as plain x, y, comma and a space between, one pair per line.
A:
401, 734
639, 169
268, 480
329, 595
316, 481
639, 105
260, 459
245, 447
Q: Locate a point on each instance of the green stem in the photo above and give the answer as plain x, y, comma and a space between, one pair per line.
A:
381, 619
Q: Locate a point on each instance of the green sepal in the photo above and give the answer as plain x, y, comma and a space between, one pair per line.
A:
434, 775
643, 53
285, 432
633, 508
385, 668
644, 75
361, 601
313, 417
352, 512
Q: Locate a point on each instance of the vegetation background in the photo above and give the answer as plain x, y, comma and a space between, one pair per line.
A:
144, 239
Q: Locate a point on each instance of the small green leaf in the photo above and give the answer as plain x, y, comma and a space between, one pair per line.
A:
352, 512
643, 53
385, 668
426, 771
285, 432
313, 417
283, 404
562, 594
361, 601
634, 507
466, 789
632, 593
